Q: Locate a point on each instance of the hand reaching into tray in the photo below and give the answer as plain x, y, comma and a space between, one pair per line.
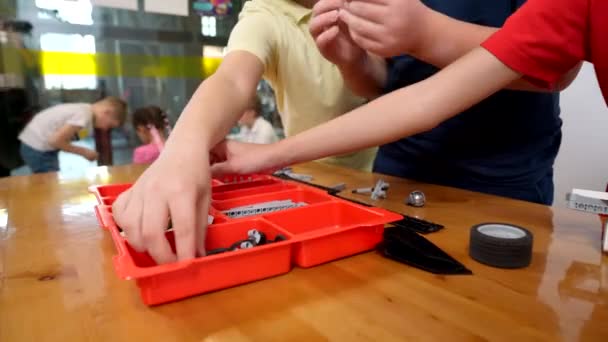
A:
177, 185
236, 158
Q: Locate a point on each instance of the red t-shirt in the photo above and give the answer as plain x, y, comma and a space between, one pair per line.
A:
545, 39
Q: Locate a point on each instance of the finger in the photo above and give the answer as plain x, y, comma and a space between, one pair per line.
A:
130, 221
320, 23
327, 37
154, 223
367, 10
363, 27
367, 44
326, 6
184, 215
119, 206
202, 222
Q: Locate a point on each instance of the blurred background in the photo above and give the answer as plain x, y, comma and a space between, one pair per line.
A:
144, 51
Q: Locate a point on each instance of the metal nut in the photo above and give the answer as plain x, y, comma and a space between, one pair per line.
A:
416, 199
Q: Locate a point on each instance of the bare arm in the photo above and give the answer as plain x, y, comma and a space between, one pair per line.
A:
61, 140
218, 102
446, 39
405, 112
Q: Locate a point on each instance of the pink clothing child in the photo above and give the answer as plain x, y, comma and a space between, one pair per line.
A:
152, 127
146, 154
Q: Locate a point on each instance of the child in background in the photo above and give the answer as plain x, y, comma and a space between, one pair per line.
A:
254, 128
52, 130
152, 127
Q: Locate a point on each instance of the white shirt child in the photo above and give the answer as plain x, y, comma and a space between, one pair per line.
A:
261, 132
39, 131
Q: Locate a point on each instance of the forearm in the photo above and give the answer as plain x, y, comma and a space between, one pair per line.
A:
443, 40
217, 104
70, 148
405, 112
210, 114
367, 78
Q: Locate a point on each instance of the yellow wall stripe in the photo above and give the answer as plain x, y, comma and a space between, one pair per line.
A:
110, 65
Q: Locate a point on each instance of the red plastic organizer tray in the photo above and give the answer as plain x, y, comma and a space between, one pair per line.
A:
326, 229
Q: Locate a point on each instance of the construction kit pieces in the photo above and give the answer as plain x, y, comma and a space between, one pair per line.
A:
262, 227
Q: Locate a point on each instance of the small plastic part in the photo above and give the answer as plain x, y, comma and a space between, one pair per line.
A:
417, 225
353, 201
218, 251
288, 172
329, 190
416, 199
283, 171
380, 190
338, 187
246, 244
262, 208
258, 238
594, 202
363, 191
407, 247
279, 238
501, 245
302, 177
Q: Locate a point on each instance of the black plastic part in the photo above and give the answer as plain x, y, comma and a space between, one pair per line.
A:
218, 251
406, 246
251, 239
354, 201
418, 225
279, 238
329, 190
501, 252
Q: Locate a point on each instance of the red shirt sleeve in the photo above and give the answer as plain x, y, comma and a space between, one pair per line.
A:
543, 40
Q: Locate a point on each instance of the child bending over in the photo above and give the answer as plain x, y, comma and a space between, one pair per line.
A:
52, 130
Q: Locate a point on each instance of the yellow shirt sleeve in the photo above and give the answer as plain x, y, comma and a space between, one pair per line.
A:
256, 34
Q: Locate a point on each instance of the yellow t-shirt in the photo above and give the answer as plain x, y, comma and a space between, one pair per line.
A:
309, 89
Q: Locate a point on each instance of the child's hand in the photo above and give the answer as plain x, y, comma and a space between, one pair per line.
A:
231, 157
177, 185
385, 27
90, 155
332, 36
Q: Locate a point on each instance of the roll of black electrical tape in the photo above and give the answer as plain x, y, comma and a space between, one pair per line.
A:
501, 245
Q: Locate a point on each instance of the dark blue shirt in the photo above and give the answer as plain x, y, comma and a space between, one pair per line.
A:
506, 145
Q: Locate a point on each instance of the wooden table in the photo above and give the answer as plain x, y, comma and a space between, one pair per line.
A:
57, 282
